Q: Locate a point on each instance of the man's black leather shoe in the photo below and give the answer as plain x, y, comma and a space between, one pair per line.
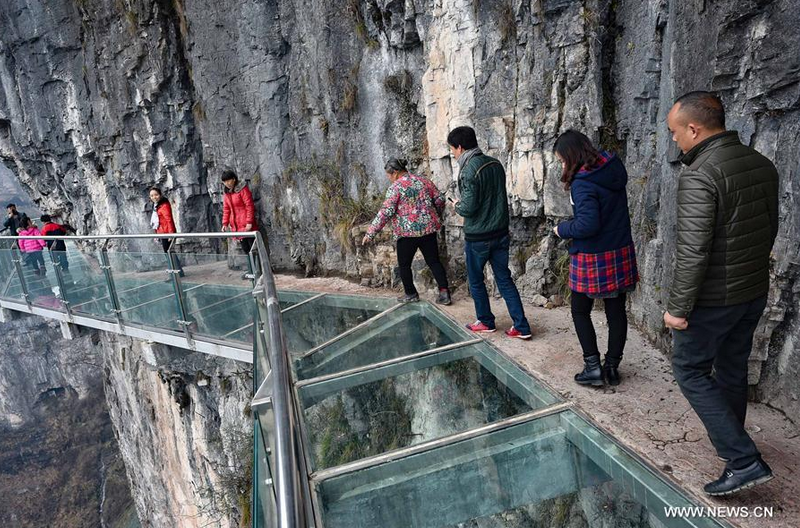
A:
736, 480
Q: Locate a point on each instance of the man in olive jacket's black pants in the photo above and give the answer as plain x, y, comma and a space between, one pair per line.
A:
727, 223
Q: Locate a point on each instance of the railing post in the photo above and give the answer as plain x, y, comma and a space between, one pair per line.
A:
17, 259
174, 272
61, 283
112, 290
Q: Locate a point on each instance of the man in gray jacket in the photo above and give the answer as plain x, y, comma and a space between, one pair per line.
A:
727, 224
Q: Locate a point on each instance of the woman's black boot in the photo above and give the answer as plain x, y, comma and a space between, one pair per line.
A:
591, 375
610, 370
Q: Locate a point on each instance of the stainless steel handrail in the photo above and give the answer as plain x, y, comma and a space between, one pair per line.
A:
225, 234
287, 472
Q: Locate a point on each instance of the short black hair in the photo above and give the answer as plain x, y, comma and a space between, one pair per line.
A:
9, 206
46, 218
704, 108
396, 165
156, 189
463, 137
229, 175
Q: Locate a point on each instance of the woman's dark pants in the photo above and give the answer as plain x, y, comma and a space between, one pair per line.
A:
406, 249
617, 324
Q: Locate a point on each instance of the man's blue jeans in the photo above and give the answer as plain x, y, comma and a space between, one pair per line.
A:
495, 252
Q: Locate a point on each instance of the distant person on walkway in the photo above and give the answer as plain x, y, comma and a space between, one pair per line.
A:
31, 249
162, 222
58, 249
414, 206
238, 209
484, 206
602, 256
14, 220
726, 225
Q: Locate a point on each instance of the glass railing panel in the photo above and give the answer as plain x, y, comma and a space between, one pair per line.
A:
412, 328
217, 293
44, 288
379, 410
145, 290
220, 311
289, 298
264, 512
85, 287
546, 472
11, 286
322, 319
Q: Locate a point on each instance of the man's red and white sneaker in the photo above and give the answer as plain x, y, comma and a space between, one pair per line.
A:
480, 328
513, 332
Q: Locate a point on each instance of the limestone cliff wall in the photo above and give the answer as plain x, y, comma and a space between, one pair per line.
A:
101, 99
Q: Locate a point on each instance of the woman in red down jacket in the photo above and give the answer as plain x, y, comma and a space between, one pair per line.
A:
162, 222
238, 210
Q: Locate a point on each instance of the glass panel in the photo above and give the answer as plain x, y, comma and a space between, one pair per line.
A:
11, 288
316, 322
217, 295
85, 284
391, 407
219, 311
547, 472
215, 268
265, 514
289, 298
44, 289
145, 290
261, 365
412, 328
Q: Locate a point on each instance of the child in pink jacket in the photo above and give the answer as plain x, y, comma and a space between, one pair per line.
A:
32, 249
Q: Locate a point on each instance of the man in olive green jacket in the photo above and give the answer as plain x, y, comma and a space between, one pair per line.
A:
727, 223
484, 206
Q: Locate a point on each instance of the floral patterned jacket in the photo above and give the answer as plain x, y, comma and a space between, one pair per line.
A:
413, 204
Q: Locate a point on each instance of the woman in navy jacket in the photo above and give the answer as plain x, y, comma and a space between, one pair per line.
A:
602, 255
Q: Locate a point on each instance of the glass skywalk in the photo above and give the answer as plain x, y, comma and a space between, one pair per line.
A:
407, 420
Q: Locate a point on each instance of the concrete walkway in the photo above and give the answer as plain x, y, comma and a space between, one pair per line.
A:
646, 412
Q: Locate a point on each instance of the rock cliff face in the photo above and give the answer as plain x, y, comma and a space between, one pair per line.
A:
60, 463
101, 99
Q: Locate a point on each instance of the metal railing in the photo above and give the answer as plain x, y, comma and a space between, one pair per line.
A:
289, 479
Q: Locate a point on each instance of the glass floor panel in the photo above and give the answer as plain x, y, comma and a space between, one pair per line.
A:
556, 471
413, 328
314, 323
375, 411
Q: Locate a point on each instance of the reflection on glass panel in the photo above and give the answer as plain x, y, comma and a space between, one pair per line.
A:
316, 322
372, 412
12, 289
289, 298
265, 510
85, 286
44, 288
220, 311
144, 289
412, 328
548, 472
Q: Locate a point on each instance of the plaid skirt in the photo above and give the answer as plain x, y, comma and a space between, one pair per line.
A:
603, 273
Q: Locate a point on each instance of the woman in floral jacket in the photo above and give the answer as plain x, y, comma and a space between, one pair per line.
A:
413, 205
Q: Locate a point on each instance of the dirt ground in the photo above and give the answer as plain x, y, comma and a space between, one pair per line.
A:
646, 411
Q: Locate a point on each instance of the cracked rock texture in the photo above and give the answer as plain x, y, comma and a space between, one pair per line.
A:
101, 99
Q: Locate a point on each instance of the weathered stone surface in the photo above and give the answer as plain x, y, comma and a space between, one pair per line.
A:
306, 100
